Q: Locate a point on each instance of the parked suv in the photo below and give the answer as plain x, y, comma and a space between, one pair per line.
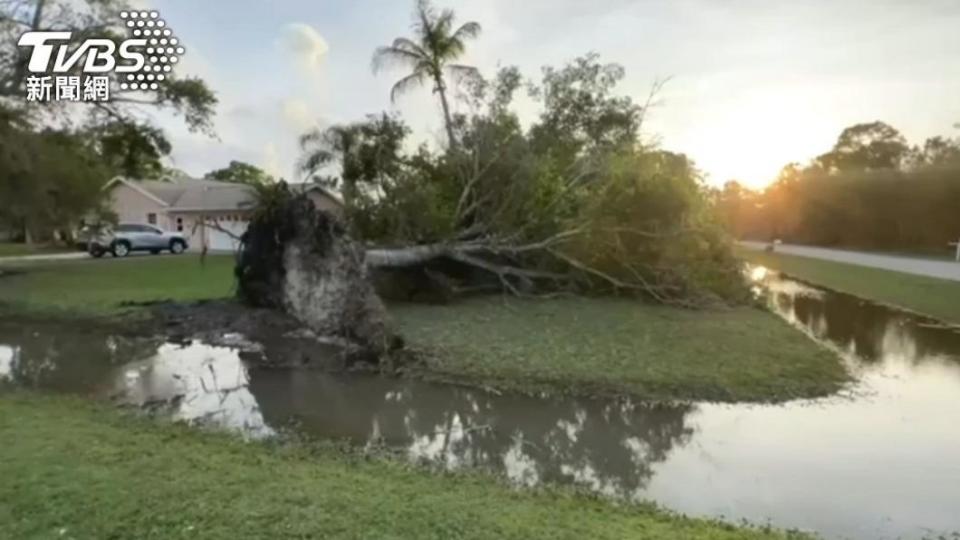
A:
127, 237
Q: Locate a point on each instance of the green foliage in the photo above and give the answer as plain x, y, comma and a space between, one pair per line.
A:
130, 149
873, 196
241, 173
577, 181
580, 111
49, 181
648, 222
865, 147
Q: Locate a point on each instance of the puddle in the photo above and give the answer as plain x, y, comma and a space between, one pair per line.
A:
881, 461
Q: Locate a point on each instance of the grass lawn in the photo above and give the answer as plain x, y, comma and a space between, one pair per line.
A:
100, 286
938, 298
10, 249
619, 346
586, 346
83, 470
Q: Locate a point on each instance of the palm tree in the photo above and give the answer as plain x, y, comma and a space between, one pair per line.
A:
430, 55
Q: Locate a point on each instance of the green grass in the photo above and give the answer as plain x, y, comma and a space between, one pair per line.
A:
611, 346
100, 286
586, 346
10, 249
74, 469
939, 298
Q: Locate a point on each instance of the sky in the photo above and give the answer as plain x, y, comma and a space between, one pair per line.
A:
753, 84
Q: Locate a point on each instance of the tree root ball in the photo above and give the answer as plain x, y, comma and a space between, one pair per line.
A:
301, 260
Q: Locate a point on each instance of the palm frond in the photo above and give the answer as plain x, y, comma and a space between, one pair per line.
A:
313, 161
443, 23
384, 56
407, 44
462, 71
310, 137
406, 84
468, 30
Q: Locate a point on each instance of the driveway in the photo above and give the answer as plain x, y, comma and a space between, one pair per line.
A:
908, 265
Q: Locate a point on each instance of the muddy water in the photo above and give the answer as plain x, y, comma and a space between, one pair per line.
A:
880, 461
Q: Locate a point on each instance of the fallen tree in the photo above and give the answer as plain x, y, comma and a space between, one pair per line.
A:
574, 204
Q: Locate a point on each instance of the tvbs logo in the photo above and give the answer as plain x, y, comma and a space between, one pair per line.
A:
100, 53
80, 72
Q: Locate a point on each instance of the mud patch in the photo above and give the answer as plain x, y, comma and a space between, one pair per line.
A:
264, 336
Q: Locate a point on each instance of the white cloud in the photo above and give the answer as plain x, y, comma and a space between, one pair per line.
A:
271, 161
306, 44
298, 114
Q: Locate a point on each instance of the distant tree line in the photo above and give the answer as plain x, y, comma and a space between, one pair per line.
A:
871, 190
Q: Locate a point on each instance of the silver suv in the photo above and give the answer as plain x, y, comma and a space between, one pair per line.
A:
127, 237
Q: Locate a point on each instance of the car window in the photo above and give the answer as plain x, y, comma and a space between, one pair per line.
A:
125, 228
151, 230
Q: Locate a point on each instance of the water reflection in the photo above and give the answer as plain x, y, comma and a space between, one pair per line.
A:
7, 357
884, 463
608, 446
872, 333
196, 383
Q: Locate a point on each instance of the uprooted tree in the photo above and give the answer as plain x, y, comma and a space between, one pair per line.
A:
574, 203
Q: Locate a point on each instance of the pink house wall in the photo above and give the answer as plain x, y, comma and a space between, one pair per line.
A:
131, 206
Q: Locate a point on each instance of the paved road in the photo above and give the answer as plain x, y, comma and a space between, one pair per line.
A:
909, 265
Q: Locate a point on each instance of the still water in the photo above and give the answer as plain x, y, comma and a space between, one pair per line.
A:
882, 460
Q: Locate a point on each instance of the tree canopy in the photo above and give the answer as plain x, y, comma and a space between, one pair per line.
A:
239, 172
573, 202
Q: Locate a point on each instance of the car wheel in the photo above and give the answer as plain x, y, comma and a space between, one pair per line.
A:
121, 249
96, 253
177, 247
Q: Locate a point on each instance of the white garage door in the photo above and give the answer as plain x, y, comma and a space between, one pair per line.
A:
218, 240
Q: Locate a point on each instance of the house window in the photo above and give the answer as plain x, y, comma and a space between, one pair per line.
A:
152, 218
179, 224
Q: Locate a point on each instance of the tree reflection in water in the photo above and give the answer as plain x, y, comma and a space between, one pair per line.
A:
608, 446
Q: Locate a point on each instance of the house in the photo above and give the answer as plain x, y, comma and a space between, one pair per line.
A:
209, 213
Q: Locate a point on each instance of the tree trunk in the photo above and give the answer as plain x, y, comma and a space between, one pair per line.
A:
27, 236
448, 121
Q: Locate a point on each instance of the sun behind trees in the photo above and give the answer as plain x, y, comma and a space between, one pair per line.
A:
872, 190
577, 201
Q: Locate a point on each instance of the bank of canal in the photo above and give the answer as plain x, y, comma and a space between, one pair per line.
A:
881, 460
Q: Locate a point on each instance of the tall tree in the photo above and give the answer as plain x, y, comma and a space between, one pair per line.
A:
239, 172
430, 55
939, 151
866, 147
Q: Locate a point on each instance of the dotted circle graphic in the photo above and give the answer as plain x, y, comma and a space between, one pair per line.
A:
161, 50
